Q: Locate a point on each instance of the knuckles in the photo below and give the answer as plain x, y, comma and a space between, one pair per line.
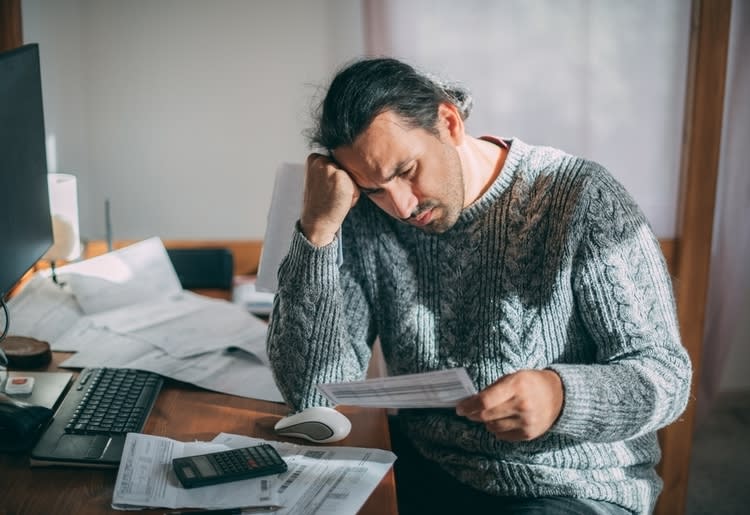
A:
316, 161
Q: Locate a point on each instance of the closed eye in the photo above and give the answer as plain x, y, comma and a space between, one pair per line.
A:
370, 191
403, 173
409, 171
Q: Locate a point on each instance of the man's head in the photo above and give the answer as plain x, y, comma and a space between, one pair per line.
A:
368, 87
396, 132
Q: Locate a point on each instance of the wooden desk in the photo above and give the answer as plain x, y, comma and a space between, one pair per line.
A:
185, 413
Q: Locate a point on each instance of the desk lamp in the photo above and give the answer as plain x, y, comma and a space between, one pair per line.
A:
63, 199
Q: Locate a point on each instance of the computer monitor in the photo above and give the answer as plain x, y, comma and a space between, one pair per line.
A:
25, 223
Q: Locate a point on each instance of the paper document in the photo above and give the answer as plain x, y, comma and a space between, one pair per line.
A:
81, 335
43, 310
246, 295
233, 371
154, 326
145, 478
121, 278
322, 479
439, 389
149, 313
186, 324
285, 209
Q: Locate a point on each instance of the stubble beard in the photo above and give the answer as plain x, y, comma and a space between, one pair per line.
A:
453, 193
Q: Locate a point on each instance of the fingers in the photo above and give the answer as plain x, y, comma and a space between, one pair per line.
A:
490, 403
319, 162
355, 196
513, 435
510, 429
519, 406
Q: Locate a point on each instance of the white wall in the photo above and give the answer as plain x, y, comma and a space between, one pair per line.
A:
179, 111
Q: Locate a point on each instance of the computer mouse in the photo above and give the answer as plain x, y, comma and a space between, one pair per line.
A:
318, 424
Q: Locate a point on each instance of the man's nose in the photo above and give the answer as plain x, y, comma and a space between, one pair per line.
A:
403, 200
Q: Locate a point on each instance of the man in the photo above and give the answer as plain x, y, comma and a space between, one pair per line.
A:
532, 268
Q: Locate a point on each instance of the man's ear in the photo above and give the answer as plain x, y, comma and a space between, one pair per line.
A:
450, 123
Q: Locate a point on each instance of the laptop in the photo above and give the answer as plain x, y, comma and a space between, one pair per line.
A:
94, 417
48, 387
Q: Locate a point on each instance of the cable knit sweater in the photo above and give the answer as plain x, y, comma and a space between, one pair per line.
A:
553, 267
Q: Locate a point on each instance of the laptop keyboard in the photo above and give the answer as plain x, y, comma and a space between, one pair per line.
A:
116, 401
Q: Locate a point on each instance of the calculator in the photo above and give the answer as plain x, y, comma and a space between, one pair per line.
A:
226, 466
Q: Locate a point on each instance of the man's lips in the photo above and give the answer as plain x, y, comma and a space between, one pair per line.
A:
422, 219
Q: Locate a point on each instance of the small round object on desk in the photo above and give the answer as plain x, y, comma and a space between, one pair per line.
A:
24, 352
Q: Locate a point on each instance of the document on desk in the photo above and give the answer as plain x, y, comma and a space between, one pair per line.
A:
322, 479
124, 277
211, 343
145, 478
148, 313
438, 389
233, 370
49, 312
186, 324
43, 310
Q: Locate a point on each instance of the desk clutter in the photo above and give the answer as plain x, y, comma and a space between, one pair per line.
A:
317, 480
128, 309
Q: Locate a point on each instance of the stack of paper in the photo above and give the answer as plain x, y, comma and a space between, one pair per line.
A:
319, 479
127, 309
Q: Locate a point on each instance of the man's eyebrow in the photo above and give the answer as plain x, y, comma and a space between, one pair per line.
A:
397, 170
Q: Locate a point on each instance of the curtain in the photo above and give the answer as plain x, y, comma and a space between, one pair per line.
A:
726, 345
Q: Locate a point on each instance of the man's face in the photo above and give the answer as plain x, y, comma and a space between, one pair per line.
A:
411, 174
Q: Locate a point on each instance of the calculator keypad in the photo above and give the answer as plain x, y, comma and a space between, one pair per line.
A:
240, 460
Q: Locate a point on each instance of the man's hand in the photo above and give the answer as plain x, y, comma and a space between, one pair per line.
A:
519, 406
329, 195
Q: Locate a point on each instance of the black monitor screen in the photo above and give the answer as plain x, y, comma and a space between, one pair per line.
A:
25, 224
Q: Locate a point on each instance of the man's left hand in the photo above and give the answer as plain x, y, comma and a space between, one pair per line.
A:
519, 406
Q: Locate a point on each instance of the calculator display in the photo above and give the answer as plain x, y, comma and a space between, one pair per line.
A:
204, 466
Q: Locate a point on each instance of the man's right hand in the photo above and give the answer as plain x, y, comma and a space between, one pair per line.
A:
329, 195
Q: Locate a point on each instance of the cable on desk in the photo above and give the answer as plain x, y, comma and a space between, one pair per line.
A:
7, 317
3, 357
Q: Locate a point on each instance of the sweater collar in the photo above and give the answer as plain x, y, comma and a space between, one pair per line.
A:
516, 151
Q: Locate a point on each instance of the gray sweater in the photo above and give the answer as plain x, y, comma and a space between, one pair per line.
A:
553, 267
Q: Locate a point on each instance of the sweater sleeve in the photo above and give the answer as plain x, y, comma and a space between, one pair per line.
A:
319, 330
640, 380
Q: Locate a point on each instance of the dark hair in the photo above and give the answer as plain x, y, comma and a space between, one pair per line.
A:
368, 87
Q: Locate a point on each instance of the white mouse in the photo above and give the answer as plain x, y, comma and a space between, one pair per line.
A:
318, 424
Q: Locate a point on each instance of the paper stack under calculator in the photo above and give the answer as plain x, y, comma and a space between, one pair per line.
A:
321, 479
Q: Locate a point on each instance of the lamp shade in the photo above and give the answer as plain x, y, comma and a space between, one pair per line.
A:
63, 201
